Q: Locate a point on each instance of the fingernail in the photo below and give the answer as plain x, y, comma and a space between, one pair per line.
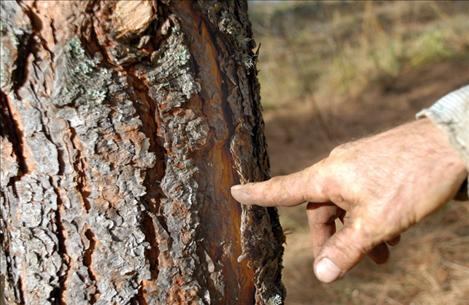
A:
236, 187
240, 190
326, 271
238, 193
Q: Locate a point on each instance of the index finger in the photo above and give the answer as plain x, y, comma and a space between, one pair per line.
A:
289, 190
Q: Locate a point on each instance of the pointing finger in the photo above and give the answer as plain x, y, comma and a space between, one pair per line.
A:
286, 190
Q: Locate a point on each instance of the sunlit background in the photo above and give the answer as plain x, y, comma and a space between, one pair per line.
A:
331, 72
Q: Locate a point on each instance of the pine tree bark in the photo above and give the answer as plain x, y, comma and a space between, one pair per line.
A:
123, 125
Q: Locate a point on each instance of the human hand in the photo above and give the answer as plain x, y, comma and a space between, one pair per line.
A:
378, 186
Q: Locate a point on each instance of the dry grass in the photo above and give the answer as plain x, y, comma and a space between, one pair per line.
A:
334, 72
335, 49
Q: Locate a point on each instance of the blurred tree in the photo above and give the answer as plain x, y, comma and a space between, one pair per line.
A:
123, 125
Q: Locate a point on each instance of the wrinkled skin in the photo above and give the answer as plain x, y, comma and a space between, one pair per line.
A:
378, 186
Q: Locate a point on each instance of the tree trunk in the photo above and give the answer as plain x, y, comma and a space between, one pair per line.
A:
123, 126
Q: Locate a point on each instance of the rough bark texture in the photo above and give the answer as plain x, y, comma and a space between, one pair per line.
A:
123, 125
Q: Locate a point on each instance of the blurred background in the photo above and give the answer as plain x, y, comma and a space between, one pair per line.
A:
334, 71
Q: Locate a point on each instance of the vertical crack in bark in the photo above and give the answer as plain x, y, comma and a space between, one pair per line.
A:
117, 156
19, 293
79, 166
152, 252
36, 22
175, 90
58, 293
148, 113
93, 45
19, 74
9, 129
87, 261
53, 29
27, 45
141, 296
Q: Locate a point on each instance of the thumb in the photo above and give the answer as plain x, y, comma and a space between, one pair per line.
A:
341, 252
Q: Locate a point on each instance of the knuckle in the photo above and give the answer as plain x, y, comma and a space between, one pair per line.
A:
351, 246
331, 187
336, 151
336, 196
369, 236
268, 186
340, 149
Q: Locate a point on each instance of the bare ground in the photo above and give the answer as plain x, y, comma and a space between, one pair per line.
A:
431, 264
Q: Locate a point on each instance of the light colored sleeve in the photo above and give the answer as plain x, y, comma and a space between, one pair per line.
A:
451, 113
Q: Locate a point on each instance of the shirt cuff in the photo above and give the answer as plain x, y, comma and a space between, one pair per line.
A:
449, 108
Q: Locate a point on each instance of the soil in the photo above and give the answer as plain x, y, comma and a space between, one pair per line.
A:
303, 132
